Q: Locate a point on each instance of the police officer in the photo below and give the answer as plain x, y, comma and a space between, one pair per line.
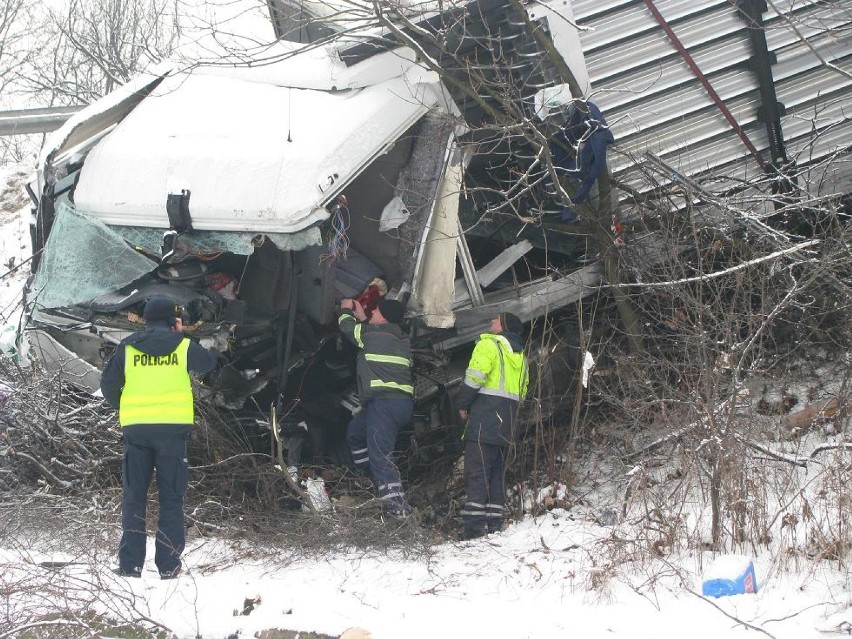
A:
495, 382
385, 392
147, 380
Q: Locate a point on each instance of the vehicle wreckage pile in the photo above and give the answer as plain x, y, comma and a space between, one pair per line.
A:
652, 280
258, 247
58, 439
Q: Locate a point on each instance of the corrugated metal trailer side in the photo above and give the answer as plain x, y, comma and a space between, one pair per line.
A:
654, 102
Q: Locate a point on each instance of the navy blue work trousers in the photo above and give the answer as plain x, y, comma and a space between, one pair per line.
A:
484, 470
150, 447
371, 436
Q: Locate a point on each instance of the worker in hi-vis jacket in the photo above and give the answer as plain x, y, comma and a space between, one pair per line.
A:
385, 392
495, 382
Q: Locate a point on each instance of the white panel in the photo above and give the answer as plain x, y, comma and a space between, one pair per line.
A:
255, 157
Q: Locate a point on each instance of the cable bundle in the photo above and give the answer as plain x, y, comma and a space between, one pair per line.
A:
338, 241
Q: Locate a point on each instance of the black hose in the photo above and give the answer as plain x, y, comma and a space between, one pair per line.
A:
291, 322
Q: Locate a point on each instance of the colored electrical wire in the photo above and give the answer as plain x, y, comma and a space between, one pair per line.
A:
338, 241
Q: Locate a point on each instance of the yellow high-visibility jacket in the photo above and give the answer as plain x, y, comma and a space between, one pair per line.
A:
495, 382
157, 388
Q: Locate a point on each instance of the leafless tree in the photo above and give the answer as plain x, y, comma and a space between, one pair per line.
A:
86, 49
14, 34
724, 305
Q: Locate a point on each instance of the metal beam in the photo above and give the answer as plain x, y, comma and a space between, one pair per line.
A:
27, 121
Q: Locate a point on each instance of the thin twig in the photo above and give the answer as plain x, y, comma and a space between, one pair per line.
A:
729, 615
795, 29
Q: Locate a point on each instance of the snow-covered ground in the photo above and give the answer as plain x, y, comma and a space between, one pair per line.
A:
545, 577
568, 572
15, 249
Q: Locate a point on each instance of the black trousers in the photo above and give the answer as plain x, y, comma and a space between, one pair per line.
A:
484, 471
150, 447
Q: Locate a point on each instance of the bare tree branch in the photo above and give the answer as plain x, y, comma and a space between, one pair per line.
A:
791, 23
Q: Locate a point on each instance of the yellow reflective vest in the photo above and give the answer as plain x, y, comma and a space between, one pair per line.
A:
157, 388
495, 369
495, 383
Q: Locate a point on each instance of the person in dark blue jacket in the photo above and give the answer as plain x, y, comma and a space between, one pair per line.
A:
579, 153
148, 381
386, 394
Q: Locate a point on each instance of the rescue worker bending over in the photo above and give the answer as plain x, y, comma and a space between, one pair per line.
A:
147, 380
495, 382
385, 392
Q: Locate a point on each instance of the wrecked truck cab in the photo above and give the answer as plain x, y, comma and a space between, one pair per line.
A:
256, 207
258, 196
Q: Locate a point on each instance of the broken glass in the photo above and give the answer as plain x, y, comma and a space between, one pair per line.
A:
84, 258
209, 242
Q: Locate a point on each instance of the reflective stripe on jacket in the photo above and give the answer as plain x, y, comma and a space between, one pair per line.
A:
384, 358
496, 369
495, 382
157, 388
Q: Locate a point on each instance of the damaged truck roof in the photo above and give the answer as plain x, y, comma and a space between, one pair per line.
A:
255, 157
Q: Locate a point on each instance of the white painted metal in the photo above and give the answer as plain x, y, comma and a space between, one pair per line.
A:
255, 157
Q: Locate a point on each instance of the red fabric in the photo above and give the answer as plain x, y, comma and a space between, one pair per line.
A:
217, 281
370, 299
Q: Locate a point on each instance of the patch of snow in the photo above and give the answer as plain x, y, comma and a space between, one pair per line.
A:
15, 245
544, 577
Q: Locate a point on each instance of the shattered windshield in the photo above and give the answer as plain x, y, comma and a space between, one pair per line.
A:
208, 242
85, 258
